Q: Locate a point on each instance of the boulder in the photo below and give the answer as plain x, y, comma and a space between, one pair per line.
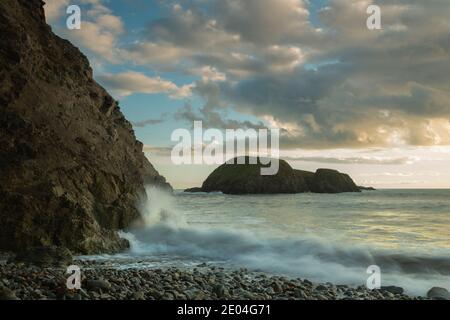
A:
98, 284
438, 293
7, 294
46, 256
71, 169
393, 289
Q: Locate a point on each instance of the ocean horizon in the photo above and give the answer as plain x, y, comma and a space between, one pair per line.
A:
324, 238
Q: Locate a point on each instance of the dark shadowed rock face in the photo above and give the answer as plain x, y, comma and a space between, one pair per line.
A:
247, 179
71, 170
330, 181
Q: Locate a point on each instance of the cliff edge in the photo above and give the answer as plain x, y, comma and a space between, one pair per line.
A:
71, 169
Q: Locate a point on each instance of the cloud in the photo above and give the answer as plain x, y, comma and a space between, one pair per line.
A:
54, 9
151, 53
268, 60
158, 151
327, 83
208, 73
354, 160
98, 39
147, 122
100, 28
264, 21
213, 119
128, 83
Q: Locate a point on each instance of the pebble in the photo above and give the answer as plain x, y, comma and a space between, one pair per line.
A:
7, 294
321, 288
98, 284
220, 291
138, 295
101, 281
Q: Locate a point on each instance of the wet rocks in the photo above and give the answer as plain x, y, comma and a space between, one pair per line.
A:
220, 291
393, 289
438, 293
138, 295
98, 284
7, 294
101, 281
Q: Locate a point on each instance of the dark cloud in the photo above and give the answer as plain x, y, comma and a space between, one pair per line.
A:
328, 85
361, 89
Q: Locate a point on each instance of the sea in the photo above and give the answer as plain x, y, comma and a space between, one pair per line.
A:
336, 238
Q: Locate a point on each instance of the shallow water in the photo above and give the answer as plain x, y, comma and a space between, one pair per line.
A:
320, 237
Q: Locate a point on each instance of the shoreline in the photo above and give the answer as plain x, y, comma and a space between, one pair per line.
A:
202, 282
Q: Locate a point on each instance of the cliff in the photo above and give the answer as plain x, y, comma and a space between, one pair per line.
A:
71, 169
247, 179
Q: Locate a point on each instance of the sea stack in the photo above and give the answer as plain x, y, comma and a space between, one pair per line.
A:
234, 178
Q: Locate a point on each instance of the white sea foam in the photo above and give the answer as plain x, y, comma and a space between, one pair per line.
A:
167, 233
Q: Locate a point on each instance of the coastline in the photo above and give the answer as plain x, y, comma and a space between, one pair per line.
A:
201, 282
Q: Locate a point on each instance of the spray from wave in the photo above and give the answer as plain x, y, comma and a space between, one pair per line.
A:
167, 234
159, 209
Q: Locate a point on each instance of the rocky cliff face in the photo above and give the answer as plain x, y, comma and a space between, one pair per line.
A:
71, 170
247, 179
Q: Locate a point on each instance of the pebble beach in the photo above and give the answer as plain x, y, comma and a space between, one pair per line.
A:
203, 282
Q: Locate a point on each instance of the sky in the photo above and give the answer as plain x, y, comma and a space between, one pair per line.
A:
372, 103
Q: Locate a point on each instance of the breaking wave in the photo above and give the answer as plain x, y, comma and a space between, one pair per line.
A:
167, 233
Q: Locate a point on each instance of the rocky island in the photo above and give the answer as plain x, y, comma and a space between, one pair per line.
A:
234, 178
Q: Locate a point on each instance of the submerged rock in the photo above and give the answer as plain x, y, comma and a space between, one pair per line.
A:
194, 190
189, 283
71, 169
234, 178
